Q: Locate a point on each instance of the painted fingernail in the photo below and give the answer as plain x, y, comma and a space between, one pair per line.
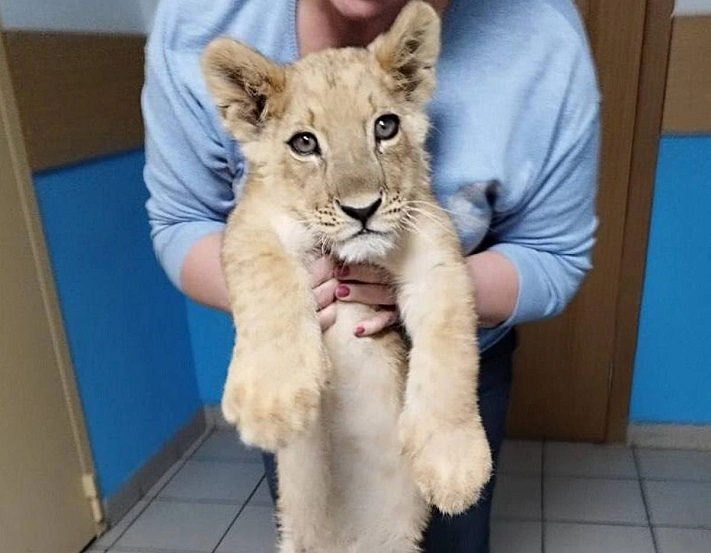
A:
359, 331
342, 271
342, 291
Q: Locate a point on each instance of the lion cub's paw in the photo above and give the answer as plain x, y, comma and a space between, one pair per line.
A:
450, 464
270, 413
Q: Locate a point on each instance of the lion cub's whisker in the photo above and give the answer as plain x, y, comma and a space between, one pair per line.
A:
431, 217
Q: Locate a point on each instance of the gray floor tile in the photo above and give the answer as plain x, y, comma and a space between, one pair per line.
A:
113, 534
673, 464
593, 538
593, 500
517, 497
589, 460
179, 526
253, 532
520, 457
213, 481
143, 550
163, 482
683, 540
516, 536
224, 445
679, 503
133, 550
261, 497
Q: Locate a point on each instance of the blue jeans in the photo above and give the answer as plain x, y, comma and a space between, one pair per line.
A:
468, 532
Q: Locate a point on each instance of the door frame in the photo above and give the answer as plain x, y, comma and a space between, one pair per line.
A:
22, 180
647, 132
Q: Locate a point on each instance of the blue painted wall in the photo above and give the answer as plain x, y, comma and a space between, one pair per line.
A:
126, 325
212, 337
672, 380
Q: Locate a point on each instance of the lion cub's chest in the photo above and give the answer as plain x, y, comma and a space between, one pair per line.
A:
361, 408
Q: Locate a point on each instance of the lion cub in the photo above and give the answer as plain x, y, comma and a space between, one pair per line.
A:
367, 433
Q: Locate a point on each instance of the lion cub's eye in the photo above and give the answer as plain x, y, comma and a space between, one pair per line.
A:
304, 144
387, 126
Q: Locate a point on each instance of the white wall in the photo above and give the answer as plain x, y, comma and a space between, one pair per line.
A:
692, 7
110, 16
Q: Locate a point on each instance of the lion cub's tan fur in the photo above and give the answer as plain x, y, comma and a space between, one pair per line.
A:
368, 435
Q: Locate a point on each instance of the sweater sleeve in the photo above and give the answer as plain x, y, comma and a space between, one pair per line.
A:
550, 236
191, 168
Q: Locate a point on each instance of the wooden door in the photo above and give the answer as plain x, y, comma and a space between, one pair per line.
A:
45, 468
573, 373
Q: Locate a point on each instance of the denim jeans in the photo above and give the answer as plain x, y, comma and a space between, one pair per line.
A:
468, 532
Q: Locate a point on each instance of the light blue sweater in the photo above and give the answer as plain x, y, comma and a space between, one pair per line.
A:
515, 135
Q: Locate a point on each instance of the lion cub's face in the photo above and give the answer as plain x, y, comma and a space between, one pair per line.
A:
338, 137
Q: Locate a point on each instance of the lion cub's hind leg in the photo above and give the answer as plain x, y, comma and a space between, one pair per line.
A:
379, 507
305, 493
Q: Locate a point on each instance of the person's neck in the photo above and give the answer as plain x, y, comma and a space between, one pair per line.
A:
320, 26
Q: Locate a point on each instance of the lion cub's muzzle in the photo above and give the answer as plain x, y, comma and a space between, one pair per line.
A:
368, 225
362, 214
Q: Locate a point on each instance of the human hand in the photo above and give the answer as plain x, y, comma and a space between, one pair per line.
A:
369, 285
323, 284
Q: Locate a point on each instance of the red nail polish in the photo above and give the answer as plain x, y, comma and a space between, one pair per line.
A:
359, 331
342, 291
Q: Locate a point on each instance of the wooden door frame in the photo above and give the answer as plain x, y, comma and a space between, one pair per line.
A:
648, 124
11, 127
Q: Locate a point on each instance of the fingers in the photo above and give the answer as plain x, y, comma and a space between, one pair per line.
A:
321, 270
369, 274
322, 282
369, 294
325, 293
380, 321
327, 316
366, 284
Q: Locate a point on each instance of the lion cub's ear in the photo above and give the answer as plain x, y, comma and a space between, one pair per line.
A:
246, 86
409, 50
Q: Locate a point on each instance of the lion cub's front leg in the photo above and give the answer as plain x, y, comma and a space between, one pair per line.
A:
440, 427
279, 365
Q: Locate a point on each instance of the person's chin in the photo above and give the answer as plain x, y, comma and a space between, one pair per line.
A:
365, 9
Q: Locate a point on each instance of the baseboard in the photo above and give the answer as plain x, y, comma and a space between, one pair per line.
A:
213, 415
119, 503
670, 436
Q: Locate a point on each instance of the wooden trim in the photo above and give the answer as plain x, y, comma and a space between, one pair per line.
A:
650, 103
19, 167
584, 9
78, 94
688, 98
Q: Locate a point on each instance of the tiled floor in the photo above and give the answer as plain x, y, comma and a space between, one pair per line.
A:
550, 498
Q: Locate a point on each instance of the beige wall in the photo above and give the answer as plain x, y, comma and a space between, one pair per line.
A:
692, 7
687, 106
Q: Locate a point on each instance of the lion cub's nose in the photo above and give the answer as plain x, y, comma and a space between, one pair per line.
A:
362, 214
